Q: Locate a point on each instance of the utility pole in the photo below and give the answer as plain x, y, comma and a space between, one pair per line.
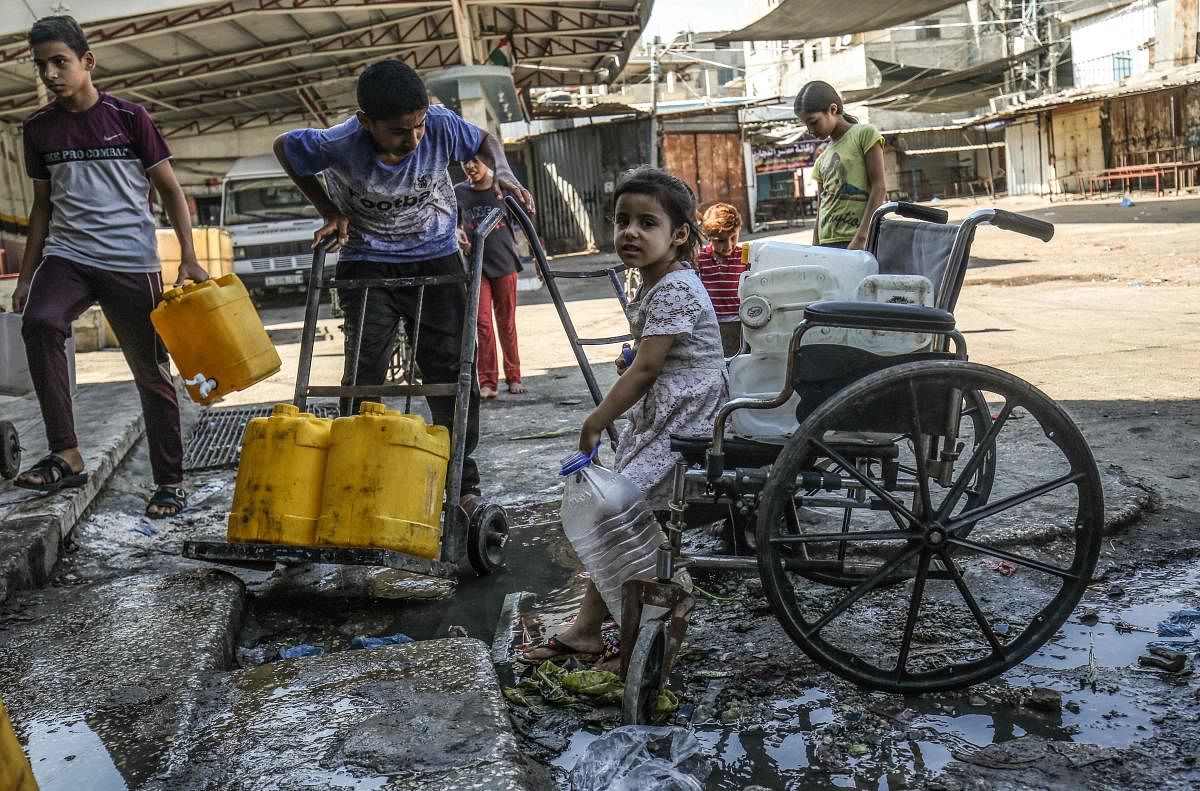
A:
655, 73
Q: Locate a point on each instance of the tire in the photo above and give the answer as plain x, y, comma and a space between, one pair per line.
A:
10, 451
1020, 561
487, 537
644, 676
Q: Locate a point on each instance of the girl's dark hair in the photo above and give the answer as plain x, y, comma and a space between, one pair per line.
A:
59, 28
389, 89
673, 194
816, 96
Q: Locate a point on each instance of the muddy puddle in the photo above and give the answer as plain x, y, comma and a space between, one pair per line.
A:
766, 716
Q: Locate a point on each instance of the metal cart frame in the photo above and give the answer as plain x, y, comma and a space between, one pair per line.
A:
478, 538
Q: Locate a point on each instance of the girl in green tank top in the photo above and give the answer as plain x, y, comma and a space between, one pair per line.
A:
848, 172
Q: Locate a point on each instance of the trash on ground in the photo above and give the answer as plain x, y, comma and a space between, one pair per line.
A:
145, 528
1179, 624
1164, 659
635, 757
1126, 203
253, 657
562, 432
1006, 568
297, 651
555, 685
376, 642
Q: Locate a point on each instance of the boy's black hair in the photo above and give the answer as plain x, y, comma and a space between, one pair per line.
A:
59, 28
389, 89
816, 96
673, 194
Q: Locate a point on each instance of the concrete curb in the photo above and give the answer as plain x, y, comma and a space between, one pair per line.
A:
32, 528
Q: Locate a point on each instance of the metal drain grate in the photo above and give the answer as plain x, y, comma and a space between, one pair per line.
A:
216, 442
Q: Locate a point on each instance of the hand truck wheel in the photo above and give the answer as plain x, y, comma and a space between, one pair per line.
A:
644, 677
10, 450
487, 535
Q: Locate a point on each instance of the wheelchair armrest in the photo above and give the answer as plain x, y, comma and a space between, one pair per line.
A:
879, 316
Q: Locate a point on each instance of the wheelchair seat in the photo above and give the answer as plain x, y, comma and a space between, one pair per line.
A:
741, 452
880, 315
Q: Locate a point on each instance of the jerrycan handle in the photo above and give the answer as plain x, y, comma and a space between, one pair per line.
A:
577, 461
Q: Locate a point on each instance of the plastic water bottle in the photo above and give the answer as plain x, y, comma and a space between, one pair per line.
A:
608, 523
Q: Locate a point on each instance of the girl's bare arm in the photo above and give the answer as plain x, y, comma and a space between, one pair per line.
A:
875, 178
630, 388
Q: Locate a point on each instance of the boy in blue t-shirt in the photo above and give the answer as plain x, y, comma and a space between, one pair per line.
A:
389, 199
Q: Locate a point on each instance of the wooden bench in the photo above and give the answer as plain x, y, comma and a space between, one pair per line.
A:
1098, 181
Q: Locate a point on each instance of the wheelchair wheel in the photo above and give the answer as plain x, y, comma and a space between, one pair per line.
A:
10, 451
974, 420
644, 678
983, 586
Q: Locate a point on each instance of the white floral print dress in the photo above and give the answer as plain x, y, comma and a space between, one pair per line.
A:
690, 390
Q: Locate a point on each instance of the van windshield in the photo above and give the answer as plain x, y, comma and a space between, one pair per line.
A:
265, 199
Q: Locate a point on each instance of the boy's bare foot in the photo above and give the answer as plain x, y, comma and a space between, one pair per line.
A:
516, 388
488, 392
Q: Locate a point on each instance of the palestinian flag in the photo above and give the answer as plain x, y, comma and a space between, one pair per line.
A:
502, 55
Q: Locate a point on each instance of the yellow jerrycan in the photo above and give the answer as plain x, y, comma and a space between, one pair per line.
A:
215, 336
384, 482
277, 497
15, 774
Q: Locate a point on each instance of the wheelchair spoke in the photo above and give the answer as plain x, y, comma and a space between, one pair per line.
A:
914, 608
983, 512
986, 445
862, 589
845, 529
920, 450
868, 482
1020, 560
829, 538
972, 605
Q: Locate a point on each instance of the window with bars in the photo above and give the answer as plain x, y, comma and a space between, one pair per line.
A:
1122, 65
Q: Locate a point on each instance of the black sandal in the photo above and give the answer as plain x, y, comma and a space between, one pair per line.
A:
173, 497
55, 473
557, 648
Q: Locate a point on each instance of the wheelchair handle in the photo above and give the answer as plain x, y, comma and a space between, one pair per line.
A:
925, 213
1020, 223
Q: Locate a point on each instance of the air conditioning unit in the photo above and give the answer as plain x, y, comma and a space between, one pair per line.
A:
1007, 101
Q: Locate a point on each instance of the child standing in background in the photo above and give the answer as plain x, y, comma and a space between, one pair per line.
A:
720, 266
849, 172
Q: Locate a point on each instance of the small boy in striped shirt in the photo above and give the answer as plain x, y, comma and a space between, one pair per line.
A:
720, 266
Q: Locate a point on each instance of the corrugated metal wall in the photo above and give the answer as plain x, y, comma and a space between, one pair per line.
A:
16, 198
571, 175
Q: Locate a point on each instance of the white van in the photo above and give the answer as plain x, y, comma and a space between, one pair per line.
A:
270, 223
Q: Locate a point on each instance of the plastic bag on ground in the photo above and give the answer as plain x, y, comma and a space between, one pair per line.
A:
639, 757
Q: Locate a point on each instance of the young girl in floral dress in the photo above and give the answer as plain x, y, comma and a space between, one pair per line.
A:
677, 380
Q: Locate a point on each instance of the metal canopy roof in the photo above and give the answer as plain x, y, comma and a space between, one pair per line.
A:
805, 19
936, 90
213, 66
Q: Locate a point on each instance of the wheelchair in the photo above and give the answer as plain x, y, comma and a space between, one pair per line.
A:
913, 488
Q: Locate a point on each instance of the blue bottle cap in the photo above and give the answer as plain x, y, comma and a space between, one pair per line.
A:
578, 460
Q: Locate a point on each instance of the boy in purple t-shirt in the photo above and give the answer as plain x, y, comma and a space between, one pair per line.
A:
389, 199
93, 158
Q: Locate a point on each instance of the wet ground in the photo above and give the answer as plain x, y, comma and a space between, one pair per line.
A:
765, 713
